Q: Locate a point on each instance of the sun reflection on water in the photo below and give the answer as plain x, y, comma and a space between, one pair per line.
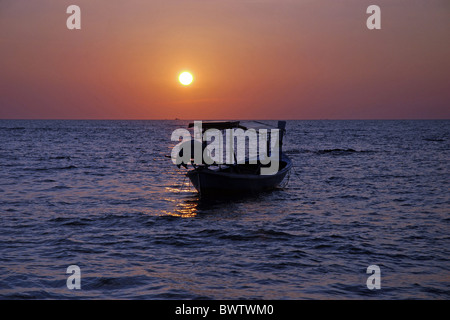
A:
183, 208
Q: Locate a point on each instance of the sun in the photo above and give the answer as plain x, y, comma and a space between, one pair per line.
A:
185, 78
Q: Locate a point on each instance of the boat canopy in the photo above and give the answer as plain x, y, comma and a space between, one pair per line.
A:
257, 125
222, 125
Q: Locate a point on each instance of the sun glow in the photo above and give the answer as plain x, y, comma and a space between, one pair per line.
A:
185, 78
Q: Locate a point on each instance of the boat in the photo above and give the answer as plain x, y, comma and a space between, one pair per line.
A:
239, 178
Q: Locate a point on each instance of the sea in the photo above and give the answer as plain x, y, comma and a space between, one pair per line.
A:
366, 203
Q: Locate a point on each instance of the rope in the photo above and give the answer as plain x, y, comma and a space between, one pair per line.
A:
182, 184
287, 180
296, 173
289, 176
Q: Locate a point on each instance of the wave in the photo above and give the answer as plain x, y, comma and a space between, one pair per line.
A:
61, 157
325, 151
54, 168
434, 139
335, 151
12, 128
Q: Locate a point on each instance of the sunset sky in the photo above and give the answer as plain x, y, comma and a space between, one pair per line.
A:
251, 59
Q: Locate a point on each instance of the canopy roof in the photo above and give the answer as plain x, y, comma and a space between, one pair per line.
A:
222, 125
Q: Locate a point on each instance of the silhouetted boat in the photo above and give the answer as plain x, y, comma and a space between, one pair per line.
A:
239, 178
236, 179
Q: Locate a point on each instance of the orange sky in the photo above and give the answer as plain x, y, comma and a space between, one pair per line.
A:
251, 59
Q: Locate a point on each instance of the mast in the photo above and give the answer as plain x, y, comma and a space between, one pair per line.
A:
282, 127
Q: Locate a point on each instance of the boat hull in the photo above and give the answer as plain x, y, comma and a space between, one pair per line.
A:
217, 182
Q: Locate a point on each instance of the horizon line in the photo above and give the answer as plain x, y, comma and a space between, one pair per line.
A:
223, 119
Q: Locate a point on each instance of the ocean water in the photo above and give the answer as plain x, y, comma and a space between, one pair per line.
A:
102, 195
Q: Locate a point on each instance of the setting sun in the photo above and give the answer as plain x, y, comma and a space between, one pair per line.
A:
185, 78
